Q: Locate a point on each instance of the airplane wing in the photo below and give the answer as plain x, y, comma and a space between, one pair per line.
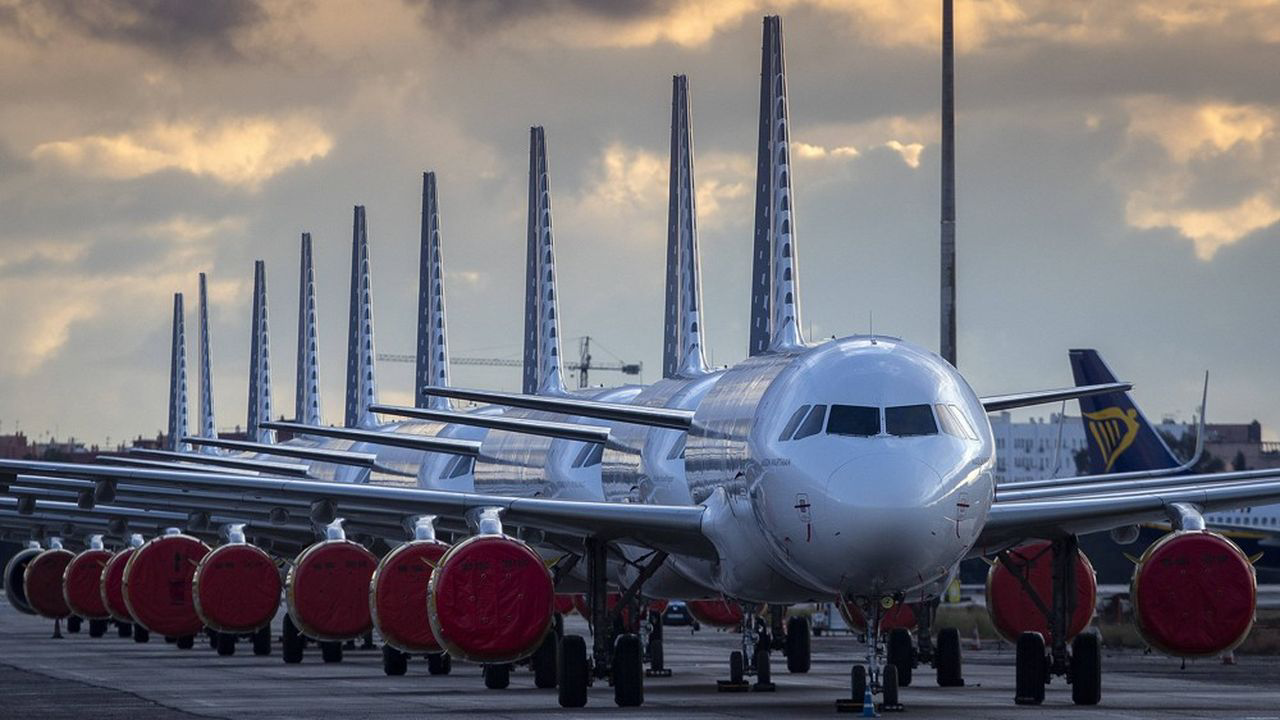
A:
674, 528
616, 412
994, 403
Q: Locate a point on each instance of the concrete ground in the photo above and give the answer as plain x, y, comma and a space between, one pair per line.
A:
111, 677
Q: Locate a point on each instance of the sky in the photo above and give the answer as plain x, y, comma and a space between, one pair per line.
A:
1117, 185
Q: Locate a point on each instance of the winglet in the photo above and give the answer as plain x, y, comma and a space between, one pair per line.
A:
432, 366
541, 334
775, 302
207, 427
361, 388
1200, 426
306, 407
259, 361
178, 379
682, 354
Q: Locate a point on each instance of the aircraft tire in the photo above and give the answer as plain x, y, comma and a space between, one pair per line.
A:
394, 662
628, 671
124, 629
439, 664
226, 644
186, 642
900, 654
947, 658
497, 677
212, 636
97, 628
73, 624
858, 682
331, 652
141, 634
293, 644
573, 671
262, 641
799, 645
544, 662
1086, 669
764, 665
1029, 684
890, 682
737, 668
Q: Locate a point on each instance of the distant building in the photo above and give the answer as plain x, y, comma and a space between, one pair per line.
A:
1037, 448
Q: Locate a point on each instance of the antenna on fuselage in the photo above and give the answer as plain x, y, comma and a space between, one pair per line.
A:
682, 352
947, 346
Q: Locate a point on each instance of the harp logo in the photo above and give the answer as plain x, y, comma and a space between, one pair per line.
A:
1114, 430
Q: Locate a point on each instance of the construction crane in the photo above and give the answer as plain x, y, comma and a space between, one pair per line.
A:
583, 367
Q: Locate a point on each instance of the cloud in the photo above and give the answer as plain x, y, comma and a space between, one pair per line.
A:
173, 28
242, 151
807, 151
910, 152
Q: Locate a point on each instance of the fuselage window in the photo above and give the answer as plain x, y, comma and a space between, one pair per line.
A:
856, 420
792, 424
813, 422
908, 420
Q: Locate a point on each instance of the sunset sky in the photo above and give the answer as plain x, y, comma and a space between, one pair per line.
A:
1118, 164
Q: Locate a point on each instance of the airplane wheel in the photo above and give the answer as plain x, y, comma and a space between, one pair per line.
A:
573, 671
141, 634
736, 668
900, 654
169, 639
262, 641
439, 664
73, 624
394, 662
1030, 669
226, 644
97, 628
186, 642
858, 682
497, 677
890, 682
798, 645
292, 645
1086, 669
764, 667
544, 663
331, 652
212, 636
124, 630
947, 658
628, 671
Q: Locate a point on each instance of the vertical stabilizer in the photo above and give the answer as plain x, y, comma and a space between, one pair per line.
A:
432, 368
259, 361
682, 354
541, 333
178, 379
361, 389
775, 301
306, 407
947, 346
207, 427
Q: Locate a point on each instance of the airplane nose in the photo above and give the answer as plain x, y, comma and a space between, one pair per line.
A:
885, 481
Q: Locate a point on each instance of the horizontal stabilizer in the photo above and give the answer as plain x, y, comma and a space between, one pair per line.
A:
336, 457
546, 428
424, 443
212, 461
994, 403
616, 412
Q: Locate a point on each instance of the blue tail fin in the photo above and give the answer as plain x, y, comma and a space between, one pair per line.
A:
1119, 436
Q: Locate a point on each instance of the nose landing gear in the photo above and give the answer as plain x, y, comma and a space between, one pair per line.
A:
873, 678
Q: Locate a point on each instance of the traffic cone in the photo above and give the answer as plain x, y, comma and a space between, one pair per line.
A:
868, 703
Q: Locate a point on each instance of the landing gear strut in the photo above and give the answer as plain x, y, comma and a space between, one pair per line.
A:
872, 679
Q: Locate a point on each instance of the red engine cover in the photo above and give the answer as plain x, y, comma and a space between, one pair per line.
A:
898, 616
43, 583
1012, 610
82, 584
236, 588
716, 613
398, 596
566, 604
112, 588
328, 590
491, 599
157, 584
1194, 594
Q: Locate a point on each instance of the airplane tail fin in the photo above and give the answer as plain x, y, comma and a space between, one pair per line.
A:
361, 389
259, 361
432, 367
1119, 436
178, 379
207, 426
306, 407
541, 326
682, 353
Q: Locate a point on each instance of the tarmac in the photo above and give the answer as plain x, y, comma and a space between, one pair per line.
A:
111, 677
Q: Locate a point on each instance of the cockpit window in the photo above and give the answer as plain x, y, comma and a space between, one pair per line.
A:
457, 467
812, 423
856, 420
793, 423
907, 420
954, 422
677, 450
590, 454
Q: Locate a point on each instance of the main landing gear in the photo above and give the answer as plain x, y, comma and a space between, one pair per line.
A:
1037, 661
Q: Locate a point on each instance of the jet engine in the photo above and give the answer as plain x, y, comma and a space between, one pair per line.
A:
42, 582
328, 590
112, 588
82, 584
1194, 594
14, 571
491, 599
398, 596
716, 613
157, 584
1013, 611
898, 616
236, 588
